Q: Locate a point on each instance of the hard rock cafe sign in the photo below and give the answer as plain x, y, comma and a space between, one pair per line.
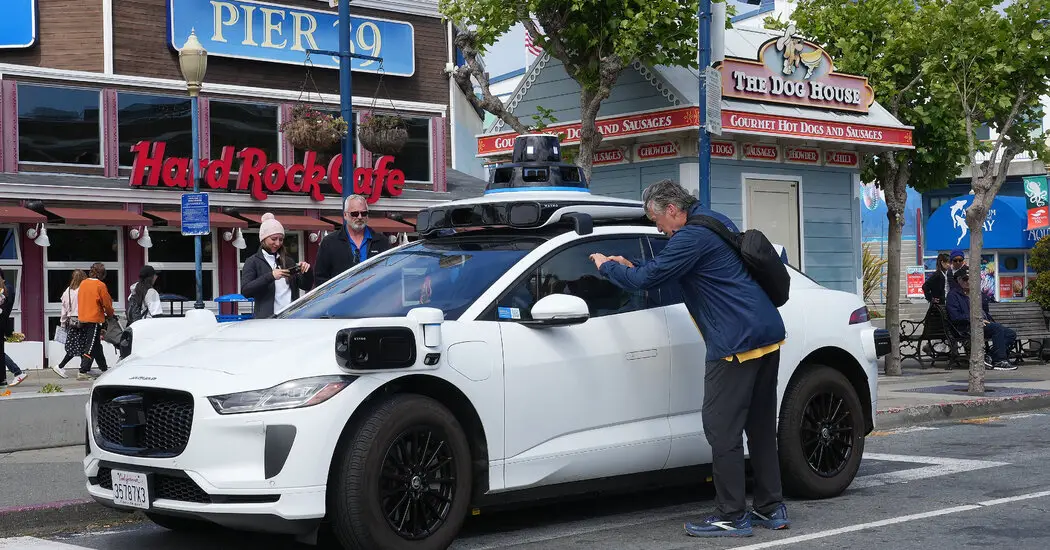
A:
797, 72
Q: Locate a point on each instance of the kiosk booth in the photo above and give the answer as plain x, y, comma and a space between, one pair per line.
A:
1007, 241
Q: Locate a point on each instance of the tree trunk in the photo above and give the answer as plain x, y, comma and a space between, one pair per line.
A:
590, 137
895, 187
975, 216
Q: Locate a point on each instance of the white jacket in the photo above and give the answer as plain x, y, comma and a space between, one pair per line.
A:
151, 302
69, 304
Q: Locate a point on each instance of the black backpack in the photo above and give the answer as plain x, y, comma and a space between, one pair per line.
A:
758, 255
135, 308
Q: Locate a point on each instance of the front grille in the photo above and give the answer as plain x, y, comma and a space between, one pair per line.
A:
165, 486
142, 421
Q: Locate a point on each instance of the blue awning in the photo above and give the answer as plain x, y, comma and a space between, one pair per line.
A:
1004, 227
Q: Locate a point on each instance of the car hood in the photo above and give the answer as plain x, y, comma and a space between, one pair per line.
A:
304, 346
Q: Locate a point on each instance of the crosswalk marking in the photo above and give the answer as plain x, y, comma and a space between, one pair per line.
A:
33, 543
938, 466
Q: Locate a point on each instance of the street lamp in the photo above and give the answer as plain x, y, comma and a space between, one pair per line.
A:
193, 61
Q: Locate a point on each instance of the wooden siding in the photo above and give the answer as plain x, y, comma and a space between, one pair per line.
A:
140, 41
69, 36
627, 180
554, 90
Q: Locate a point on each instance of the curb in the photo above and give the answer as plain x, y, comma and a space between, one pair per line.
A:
57, 516
907, 416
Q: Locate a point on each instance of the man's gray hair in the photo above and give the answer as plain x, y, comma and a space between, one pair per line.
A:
657, 196
346, 203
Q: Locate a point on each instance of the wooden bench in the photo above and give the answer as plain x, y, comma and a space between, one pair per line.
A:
1027, 320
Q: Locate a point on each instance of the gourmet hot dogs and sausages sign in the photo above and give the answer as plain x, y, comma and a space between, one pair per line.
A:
797, 72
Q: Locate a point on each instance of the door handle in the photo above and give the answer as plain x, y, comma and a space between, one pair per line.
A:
641, 354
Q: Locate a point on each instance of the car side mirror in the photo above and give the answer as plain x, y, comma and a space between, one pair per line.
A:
557, 310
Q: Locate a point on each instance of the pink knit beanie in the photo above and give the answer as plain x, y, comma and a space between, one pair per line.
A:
270, 226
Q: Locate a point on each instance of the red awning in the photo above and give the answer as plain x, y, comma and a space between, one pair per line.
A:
18, 214
99, 216
383, 225
218, 219
294, 222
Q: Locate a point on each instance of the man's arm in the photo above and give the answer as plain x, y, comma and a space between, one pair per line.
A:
323, 268
675, 259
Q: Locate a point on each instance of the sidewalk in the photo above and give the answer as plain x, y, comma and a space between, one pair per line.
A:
43, 491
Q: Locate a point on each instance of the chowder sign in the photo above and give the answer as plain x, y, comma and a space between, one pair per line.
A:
797, 72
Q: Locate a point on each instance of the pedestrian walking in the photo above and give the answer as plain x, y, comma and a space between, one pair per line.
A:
7, 302
271, 277
743, 332
69, 322
94, 306
340, 250
144, 300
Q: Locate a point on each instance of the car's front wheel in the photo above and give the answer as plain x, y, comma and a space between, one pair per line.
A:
404, 480
821, 434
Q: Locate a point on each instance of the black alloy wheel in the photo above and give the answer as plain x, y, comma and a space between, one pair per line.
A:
418, 483
827, 433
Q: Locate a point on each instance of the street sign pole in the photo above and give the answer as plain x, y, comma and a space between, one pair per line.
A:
703, 17
197, 259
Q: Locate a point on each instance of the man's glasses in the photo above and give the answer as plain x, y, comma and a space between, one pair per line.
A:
358, 214
957, 261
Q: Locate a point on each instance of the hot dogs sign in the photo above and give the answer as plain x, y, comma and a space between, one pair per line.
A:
797, 72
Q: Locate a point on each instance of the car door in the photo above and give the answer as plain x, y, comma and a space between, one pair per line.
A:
687, 352
587, 400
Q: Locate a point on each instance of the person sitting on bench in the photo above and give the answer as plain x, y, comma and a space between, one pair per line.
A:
959, 312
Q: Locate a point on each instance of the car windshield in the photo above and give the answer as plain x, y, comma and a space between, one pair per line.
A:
445, 273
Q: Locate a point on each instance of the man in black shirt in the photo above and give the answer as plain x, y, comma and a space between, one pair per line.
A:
343, 249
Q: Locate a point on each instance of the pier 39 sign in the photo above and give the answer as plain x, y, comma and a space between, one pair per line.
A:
273, 33
796, 72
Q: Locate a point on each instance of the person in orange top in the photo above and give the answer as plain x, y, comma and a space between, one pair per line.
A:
94, 305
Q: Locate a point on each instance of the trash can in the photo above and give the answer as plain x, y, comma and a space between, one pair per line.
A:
234, 315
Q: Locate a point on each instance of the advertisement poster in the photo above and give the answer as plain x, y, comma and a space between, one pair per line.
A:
1036, 202
916, 277
988, 275
1011, 286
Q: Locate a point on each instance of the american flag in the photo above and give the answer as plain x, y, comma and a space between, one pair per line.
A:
530, 46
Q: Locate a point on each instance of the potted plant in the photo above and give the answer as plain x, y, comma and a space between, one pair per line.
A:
383, 134
312, 130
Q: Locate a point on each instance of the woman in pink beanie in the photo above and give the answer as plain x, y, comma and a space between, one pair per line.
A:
269, 275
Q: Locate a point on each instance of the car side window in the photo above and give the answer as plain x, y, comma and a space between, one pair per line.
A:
669, 293
571, 271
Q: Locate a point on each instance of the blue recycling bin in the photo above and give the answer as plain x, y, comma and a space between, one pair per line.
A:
233, 300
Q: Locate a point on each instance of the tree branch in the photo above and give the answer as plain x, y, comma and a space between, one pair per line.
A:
895, 104
553, 40
465, 40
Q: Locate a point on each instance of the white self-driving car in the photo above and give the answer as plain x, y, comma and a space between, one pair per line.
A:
486, 362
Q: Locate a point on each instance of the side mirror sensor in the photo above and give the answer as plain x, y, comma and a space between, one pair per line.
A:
375, 348
558, 310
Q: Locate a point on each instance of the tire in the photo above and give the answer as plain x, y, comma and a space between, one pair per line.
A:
805, 471
179, 523
359, 514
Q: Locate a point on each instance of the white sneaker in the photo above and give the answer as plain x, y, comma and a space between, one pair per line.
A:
59, 371
18, 379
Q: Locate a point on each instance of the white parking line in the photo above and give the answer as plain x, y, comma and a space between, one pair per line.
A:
891, 521
938, 467
33, 543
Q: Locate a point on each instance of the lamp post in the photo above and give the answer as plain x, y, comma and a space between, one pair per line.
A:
193, 61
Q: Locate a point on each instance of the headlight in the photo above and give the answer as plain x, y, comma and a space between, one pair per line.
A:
305, 392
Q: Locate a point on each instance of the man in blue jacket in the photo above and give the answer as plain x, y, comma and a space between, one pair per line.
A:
743, 332
959, 313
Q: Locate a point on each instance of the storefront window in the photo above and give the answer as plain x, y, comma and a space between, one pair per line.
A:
79, 248
59, 125
172, 255
243, 125
415, 158
143, 117
9, 252
11, 264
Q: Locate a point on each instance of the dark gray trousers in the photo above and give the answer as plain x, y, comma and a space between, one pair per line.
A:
738, 398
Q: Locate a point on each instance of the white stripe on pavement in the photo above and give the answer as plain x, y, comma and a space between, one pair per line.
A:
33, 543
891, 521
939, 467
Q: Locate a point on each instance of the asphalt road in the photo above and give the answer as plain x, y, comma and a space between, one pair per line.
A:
981, 483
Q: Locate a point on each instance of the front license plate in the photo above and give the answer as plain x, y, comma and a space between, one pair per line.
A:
130, 489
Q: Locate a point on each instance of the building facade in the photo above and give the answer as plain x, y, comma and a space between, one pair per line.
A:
96, 136
793, 136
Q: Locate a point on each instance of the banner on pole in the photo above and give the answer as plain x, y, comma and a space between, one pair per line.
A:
1037, 202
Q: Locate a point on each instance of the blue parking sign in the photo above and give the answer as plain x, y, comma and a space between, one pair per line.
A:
196, 219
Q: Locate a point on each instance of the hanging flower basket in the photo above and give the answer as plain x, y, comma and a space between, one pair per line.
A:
312, 130
383, 134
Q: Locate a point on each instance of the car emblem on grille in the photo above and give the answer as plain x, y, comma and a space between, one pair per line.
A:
133, 419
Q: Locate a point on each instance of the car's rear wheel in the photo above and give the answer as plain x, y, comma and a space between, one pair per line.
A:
821, 434
404, 480
179, 523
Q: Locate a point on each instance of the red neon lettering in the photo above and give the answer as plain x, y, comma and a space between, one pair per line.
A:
217, 174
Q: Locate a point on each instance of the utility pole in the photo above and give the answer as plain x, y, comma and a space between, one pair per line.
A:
703, 17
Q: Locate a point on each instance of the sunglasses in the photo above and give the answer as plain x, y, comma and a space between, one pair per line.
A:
358, 214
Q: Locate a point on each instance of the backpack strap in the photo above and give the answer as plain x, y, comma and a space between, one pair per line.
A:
717, 227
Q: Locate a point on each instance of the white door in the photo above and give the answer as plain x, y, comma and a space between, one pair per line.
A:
772, 208
588, 400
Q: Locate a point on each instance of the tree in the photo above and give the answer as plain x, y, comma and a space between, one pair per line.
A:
880, 39
995, 66
595, 40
